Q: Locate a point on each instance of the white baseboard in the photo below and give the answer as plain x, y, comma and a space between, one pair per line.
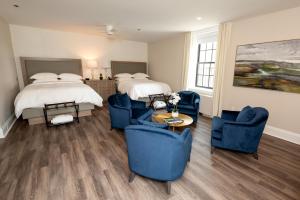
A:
283, 134
8, 124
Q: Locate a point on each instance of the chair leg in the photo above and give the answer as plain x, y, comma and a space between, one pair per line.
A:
212, 149
255, 155
131, 177
169, 187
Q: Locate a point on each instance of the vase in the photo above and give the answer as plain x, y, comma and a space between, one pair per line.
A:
175, 114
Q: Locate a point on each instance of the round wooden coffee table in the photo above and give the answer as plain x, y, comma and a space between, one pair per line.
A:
159, 118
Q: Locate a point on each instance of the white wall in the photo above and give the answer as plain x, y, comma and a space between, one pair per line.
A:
8, 79
166, 61
166, 64
284, 107
36, 42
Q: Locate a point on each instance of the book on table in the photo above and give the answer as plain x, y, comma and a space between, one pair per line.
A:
173, 120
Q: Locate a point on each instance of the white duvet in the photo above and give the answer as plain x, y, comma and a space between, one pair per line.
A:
37, 94
138, 88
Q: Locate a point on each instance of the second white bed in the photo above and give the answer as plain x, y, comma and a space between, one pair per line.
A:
141, 88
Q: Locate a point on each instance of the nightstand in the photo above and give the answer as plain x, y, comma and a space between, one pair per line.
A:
104, 88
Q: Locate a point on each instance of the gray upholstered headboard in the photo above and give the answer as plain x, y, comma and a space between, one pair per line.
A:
32, 66
128, 67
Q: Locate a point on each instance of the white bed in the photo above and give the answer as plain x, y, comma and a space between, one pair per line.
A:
35, 95
141, 88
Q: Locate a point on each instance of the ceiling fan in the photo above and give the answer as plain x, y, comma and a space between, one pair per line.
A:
108, 31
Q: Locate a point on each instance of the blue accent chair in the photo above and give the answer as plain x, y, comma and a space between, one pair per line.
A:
146, 119
157, 153
124, 111
189, 104
239, 131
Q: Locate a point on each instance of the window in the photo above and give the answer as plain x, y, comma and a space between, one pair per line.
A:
206, 65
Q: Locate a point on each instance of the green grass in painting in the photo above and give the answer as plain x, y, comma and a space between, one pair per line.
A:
268, 75
282, 85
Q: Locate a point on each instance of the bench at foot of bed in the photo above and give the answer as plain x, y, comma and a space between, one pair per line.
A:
41, 120
36, 115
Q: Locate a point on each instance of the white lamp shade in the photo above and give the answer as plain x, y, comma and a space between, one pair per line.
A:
92, 63
105, 64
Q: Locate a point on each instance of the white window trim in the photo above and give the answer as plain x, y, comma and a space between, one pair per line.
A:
202, 91
205, 34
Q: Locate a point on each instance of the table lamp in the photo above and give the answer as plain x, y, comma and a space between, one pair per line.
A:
106, 67
92, 64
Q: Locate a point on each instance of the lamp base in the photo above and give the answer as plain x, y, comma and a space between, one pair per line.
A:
93, 74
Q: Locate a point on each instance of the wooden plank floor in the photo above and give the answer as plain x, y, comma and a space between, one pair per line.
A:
88, 161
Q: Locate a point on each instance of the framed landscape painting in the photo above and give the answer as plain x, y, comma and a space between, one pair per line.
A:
271, 65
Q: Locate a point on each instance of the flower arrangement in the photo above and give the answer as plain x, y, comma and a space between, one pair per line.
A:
174, 99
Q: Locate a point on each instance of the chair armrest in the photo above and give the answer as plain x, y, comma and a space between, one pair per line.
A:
137, 104
147, 115
153, 124
120, 117
138, 112
185, 133
197, 101
239, 137
217, 124
187, 143
229, 115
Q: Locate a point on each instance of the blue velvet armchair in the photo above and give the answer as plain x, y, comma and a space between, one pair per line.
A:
157, 153
124, 111
146, 119
239, 131
189, 104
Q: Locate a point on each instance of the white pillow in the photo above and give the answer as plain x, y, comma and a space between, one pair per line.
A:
70, 81
159, 104
141, 78
124, 79
69, 76
44, 75
140, 75
45, 81
56, 81
123, 75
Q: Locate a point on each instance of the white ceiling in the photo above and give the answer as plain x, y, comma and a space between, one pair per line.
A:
156, 18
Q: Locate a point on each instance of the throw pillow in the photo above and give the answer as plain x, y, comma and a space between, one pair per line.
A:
246, 115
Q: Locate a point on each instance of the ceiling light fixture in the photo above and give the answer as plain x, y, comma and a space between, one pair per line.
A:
199, 18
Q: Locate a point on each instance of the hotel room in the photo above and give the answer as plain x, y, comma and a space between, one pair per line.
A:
151, 100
